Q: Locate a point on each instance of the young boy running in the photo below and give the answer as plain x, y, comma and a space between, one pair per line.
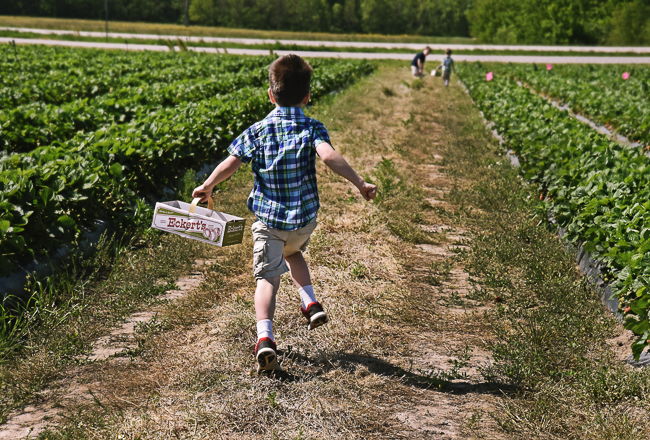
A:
282, 152
447, 65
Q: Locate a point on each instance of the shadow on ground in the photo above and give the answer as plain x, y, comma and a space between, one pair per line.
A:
351, 362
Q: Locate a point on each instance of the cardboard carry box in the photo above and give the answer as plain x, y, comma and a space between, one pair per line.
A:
202, 224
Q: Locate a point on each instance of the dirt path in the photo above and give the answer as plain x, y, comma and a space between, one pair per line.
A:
525, 59
403, 354
68, 394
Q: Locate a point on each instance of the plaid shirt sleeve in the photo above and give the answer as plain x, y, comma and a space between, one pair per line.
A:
319, 133
243, 147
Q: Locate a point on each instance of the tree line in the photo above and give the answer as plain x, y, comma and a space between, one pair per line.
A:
614, 22
622, 22
156, 11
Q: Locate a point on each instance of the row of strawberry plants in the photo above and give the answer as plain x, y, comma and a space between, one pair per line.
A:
45, 59
28, 126
99, 72
65, 83
39, 62
595, 188
598, 92
52, 194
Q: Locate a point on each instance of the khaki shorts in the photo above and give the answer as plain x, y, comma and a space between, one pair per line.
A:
415, 71
272, 245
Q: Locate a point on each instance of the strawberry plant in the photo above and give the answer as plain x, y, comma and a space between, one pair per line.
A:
597, 92
65, 166
596, 189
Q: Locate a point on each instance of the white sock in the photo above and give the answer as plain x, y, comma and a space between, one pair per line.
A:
307, 295
265, 329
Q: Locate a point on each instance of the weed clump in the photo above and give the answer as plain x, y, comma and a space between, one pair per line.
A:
387, 91
399, 200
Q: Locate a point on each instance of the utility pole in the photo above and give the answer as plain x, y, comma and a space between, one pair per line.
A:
106, 9
187, 16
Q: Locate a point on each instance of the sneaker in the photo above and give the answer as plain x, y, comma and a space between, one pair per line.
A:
315, 315
265, 352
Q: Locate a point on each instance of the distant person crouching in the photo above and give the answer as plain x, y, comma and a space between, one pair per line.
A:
447, 66
417, 65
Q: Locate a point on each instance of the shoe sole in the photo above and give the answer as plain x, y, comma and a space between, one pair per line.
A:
267, 360
317, 320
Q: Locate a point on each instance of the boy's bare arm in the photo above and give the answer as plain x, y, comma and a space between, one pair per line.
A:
337, 164
224, 170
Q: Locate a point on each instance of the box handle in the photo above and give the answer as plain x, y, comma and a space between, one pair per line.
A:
196, 201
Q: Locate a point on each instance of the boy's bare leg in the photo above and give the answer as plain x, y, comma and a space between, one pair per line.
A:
265, 350
299, 270
311, 308
265, 293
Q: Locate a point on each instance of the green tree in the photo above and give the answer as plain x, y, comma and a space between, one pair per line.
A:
630, 24
350, 19
378, 17
337, 17
202, 11
539, 21
437, 17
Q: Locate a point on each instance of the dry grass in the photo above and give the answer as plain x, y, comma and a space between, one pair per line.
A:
205, 31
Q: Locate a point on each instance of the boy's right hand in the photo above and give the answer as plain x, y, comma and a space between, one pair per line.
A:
202, 192
368, 191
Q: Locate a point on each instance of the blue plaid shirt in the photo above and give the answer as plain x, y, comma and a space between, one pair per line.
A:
281, 149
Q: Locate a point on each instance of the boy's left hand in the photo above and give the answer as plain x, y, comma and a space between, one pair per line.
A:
202, 192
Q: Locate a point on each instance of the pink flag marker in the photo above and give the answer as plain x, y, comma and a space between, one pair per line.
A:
489, 76
626, 75
549, 66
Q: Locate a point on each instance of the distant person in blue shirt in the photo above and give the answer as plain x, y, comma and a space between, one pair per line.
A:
446, 66
417, 65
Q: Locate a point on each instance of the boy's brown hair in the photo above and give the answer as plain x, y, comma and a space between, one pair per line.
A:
448, 52
289, 79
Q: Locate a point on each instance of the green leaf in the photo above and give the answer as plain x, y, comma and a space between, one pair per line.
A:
67, 221
116, 170
46, 194
637, 348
